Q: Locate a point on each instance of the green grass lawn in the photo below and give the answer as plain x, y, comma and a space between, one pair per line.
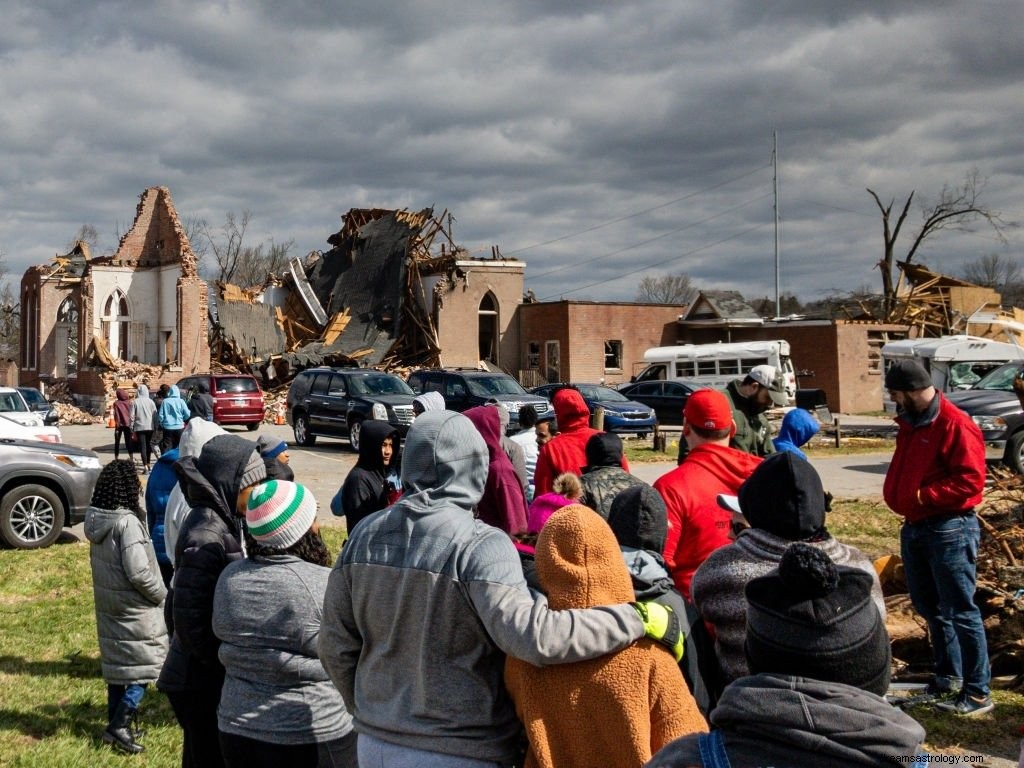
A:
53, 701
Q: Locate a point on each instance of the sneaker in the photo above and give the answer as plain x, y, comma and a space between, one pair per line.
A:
968, 706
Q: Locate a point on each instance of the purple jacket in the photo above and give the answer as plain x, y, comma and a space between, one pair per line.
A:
503, 504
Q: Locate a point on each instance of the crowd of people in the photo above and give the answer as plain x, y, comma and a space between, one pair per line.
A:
523, 599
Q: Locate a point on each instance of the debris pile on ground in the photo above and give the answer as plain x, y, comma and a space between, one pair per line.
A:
70, 414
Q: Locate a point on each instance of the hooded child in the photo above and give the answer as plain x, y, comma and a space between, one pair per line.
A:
365, 489
503, 503
603, 477
129, 595
798, 426
819, 661
143, 423
615, 710
217, 485
567, 491
172, 415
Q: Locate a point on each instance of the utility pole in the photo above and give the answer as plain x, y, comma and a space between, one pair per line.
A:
775, 180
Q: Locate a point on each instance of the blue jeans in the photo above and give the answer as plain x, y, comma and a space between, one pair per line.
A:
940, 561
131, 695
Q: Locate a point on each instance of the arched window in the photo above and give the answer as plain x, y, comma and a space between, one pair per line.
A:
487, 316
67, 337
115, 320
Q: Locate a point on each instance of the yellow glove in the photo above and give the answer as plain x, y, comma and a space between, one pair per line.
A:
662, 624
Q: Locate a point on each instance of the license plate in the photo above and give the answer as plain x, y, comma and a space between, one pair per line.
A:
241, 403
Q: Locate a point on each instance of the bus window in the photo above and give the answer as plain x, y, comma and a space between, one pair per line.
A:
706, 368
729, 367
685, 369
652, 373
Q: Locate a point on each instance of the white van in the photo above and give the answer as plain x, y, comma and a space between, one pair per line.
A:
715, 365
954, 362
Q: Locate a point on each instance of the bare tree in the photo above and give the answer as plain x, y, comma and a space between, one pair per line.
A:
957, 209
233, 260
993, 271
87, 234
10, 315
668, 289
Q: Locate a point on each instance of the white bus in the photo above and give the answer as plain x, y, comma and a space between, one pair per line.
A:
715, 365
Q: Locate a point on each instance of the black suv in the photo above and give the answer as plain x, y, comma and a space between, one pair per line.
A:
334, 402
465, 388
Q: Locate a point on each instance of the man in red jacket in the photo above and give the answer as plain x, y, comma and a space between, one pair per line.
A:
934, 481
567, 450
697, 525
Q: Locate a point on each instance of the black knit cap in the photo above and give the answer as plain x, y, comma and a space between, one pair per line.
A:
812, 618
906, 376
638, 518
784, 496
604, 450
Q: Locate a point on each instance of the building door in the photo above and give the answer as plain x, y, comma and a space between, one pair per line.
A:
552, 362
488, 328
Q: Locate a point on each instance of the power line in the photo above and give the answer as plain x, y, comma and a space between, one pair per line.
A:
659, 263
653, 239
638, 213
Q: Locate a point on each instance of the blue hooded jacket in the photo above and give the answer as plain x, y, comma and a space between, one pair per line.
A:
798, 426
173, 410
158, 488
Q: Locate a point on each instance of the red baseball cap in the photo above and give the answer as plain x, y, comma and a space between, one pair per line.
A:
708, 409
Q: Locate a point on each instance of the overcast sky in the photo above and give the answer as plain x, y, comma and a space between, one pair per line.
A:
601, 142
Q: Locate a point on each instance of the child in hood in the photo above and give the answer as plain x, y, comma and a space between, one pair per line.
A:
798, 426
365, 489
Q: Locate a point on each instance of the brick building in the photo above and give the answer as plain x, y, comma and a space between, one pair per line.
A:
145, 303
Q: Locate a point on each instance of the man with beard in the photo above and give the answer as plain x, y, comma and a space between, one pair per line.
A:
934, 481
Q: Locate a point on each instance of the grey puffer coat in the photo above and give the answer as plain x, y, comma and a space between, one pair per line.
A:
129, 595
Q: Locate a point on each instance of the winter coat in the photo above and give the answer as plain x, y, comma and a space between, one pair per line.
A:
798, 426
796, 722
697, 525
719, 584
503, 503
566, 451
123, 409
173, 411
938, 467
614, 710
196, 435
425, 568
365, 489
275, 689
201, 402
129, 594
162, 481
143, 412
602, 484
753, 433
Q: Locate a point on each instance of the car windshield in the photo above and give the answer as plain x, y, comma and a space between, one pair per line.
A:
237, 384
601, 394
1000, 379
379, 384
33, 396
12, 401
488, 386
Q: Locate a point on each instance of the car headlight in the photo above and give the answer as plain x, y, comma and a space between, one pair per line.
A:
380, 412
989, 423
82, 462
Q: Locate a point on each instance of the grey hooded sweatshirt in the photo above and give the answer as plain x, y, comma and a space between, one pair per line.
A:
425, 601
129, 594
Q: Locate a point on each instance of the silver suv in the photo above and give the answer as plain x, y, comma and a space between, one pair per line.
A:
45, 486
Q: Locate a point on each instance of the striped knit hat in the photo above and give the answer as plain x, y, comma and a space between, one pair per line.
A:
279, 513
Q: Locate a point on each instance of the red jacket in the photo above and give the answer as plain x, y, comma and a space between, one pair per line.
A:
566, 451
697, 526
944, 459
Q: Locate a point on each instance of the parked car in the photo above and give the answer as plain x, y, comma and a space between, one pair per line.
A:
993, 406
620, 413
36, 401
13, 406
237, 398
12, 429
667, 398
45, 487
334, 402
464, 388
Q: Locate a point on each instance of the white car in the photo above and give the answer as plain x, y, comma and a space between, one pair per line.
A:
9, 428
14, 407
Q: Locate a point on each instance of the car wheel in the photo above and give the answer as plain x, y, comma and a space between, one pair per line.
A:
1014, 457
301, 429
31, 517
355, 431
252, 426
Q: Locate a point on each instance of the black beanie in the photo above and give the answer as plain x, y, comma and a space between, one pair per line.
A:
812, 618
906, 376
784, 496
604, 450
638, 518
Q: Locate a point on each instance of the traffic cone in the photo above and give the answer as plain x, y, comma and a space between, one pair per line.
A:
279, 417
110, 418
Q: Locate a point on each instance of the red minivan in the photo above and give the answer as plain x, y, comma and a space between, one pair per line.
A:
237, 398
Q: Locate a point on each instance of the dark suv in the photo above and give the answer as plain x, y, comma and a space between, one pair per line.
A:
465, 388
334, 402
237, 397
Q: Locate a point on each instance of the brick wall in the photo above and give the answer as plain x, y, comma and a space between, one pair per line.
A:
458, 320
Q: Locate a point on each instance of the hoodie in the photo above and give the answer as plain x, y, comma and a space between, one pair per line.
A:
425, 602
798, 426
197, 434
779, 720
143, 411
201, 402
173, 411
503, 503
158, 490
123, 409
697, 526
430, 401
566, 451
128, 593
365, 490
614, 710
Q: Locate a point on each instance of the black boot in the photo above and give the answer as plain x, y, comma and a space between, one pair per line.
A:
118, 734
133, 725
